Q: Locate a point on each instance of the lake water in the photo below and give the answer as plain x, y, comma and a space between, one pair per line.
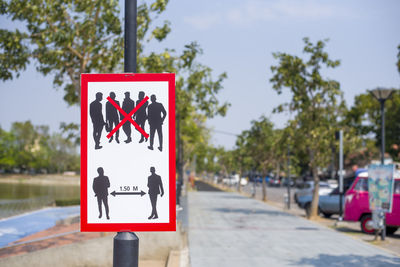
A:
20, 198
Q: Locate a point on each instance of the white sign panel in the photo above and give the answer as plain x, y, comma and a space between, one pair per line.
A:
128, 139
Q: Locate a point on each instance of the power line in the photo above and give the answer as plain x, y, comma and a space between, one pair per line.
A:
223, 132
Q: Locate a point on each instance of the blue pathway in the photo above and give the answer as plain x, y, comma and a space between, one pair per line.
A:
17, 227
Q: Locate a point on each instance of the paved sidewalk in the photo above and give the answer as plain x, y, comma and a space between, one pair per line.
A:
227, 229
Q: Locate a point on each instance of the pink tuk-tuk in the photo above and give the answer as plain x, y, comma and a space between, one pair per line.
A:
356, 206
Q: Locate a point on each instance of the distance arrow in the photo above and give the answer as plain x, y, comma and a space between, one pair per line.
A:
141, 193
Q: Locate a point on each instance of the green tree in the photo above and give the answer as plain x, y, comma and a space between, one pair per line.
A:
8, 150
62, 154
365, 117
67, 38
258, 143
316, 103
31, 148
26, 142
398, 59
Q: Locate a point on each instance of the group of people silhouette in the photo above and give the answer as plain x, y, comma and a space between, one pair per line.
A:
154, 113
101, 183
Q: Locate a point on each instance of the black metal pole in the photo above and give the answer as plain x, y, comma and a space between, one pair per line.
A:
341, 189
382, 101
130, 60
126, 244
126, 250
179, 163
383, 131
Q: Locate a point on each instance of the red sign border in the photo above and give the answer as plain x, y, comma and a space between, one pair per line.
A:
128, 77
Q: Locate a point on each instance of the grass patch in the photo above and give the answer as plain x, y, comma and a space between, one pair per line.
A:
67, 202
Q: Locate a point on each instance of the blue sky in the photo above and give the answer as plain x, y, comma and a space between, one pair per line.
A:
239, 37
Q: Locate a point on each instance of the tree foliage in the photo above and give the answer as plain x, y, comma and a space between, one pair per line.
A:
316, 102
259, 144
365, 117
31, 148
70, 37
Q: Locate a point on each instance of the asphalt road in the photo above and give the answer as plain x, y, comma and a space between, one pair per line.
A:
202, 186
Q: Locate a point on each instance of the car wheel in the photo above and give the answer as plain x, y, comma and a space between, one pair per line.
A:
366, 224
307, 207
390, 230
326, 215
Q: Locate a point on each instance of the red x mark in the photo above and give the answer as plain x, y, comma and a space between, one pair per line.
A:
127, 117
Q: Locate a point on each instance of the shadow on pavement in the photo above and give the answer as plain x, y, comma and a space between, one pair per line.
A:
234, 197
202, 186
252, 211
348, 260
345, 229
307, 228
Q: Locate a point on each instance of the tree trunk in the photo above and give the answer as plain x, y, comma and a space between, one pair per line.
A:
278, 170
239, 186
314, 203
264, 187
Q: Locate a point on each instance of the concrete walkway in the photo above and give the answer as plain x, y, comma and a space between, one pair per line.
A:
227, 229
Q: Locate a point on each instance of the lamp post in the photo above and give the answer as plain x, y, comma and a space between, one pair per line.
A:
382, 95
288, 177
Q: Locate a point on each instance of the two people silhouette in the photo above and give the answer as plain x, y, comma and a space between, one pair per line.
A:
155, 113
155, 185
101, 184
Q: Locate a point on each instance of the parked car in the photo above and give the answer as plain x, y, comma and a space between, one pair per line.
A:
357, 205
307, 188
274, 182
234, 179
285, 182
327, 204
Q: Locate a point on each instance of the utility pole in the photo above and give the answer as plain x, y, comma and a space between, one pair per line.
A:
341, 175
179, 183
288, 177
126, 244
382, 95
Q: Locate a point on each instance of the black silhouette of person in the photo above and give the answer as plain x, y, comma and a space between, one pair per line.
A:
100, 188
155, 187
96, 115
127, 105
156, 116
112, 117
140, 115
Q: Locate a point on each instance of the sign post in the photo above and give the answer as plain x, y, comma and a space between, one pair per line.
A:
380, 193
127, 157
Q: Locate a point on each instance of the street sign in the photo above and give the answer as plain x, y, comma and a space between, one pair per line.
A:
380, 187
128, 152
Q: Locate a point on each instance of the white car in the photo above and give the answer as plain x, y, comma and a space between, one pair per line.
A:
234, 179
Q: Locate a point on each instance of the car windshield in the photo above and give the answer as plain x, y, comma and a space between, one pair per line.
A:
396, 187
362, 185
